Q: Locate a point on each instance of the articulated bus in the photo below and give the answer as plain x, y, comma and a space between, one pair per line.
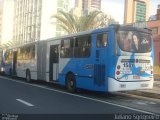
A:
115, 58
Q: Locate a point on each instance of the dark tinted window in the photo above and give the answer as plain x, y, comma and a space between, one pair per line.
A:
102, 40
82, 46
8, 56
66, 48
76, 47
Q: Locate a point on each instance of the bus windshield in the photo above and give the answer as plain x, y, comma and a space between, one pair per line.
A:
134, 41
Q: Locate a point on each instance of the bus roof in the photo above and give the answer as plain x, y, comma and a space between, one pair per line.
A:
85, 32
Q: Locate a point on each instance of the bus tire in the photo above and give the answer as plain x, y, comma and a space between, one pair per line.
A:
71, 83
28, 76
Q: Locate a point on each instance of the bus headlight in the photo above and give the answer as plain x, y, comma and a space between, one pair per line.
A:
2, 69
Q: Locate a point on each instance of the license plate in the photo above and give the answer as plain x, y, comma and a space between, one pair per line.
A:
122, 85
144, 85
136, 77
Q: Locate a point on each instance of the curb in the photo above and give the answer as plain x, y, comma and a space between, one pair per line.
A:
156, 79
145, 94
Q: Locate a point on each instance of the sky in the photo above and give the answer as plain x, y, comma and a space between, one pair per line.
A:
115, 8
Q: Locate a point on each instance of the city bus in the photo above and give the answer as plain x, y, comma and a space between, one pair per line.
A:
18, 59
114, 58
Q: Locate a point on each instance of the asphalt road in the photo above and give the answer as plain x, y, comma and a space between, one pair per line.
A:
18, 97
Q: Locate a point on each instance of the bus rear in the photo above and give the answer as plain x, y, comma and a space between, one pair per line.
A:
134, 60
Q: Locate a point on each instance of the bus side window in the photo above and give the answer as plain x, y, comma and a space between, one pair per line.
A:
21, 53
102, 40
67, 48
82, 46
62, 49
31, 52
26, 53
6, 57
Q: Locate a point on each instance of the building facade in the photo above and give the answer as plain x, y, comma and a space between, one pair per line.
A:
33, 19
158, 13
136, 11
7, 21
84, 7
27, 20
154, 25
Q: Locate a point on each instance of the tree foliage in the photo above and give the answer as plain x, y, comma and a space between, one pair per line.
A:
73, 24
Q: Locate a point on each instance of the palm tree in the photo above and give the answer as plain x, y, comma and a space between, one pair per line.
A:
104, 20
73, 24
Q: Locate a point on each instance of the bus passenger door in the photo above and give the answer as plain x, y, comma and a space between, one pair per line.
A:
14, 63
54, 62
100, 58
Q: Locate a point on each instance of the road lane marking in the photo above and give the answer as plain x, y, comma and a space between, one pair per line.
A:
24, 102
89, 98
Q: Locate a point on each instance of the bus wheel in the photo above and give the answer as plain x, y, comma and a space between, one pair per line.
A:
71, 83
28, 76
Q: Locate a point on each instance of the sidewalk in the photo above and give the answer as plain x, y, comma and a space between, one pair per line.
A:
153, 93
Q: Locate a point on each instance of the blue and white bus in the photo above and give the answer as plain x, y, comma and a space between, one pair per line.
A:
115, 58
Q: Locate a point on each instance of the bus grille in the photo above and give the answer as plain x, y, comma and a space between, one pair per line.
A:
99, 74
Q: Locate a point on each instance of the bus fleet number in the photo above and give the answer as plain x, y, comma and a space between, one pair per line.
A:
128, 65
